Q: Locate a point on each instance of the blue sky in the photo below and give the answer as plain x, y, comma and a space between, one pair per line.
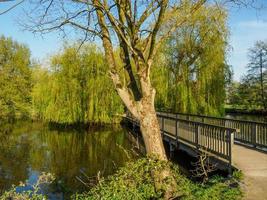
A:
247, 25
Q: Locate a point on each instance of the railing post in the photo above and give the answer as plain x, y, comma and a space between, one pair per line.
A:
162, 132
176, 131
254, 134
231, 141
196, 134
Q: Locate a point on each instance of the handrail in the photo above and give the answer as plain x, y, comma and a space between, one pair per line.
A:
213, 117
185, 120
248, 132
217, 140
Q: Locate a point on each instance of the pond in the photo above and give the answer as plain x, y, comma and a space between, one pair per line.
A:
29, 148
257, 118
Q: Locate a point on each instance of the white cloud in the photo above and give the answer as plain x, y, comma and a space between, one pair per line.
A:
253, 24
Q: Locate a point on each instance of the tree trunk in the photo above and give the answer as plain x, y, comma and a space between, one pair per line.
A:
261, 80
150, 129
149, 124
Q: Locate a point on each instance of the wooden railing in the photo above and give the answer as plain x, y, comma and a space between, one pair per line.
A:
249, 132
213, 139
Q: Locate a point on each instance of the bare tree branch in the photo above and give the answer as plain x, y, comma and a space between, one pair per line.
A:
12, 7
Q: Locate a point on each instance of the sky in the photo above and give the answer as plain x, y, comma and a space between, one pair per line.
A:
247, 25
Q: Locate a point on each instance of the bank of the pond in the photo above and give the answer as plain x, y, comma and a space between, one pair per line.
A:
83, 126
229, 109
246, 114
136, 181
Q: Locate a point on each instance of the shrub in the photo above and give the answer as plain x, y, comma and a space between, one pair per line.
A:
34, 194
135, 181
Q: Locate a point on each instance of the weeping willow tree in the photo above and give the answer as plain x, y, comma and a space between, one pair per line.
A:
76, 89
190, 73
40, 94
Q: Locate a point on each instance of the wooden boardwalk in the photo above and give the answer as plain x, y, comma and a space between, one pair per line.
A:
254, 166
215, 135
235, 142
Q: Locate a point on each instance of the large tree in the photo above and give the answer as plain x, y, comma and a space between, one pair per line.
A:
251, 91
192, 65
257, 70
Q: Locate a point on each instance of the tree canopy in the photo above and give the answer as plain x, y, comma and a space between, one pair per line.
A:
15, 79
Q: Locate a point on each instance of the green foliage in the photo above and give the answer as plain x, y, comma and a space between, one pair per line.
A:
217, 189
190, 72
12, 194
238, 175
34, 194
15, 79
135, 181
77, 89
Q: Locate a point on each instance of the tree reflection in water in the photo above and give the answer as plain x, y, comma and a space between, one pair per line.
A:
27, 149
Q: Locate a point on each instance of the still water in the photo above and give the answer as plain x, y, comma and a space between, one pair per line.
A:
27, 149
257, 118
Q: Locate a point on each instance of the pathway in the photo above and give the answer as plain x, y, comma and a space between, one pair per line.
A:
254, 166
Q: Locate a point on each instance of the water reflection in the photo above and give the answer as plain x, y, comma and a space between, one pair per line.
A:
26, 149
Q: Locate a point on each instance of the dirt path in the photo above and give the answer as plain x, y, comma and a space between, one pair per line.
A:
254, 166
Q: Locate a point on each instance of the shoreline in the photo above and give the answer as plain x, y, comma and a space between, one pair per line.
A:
245, 112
